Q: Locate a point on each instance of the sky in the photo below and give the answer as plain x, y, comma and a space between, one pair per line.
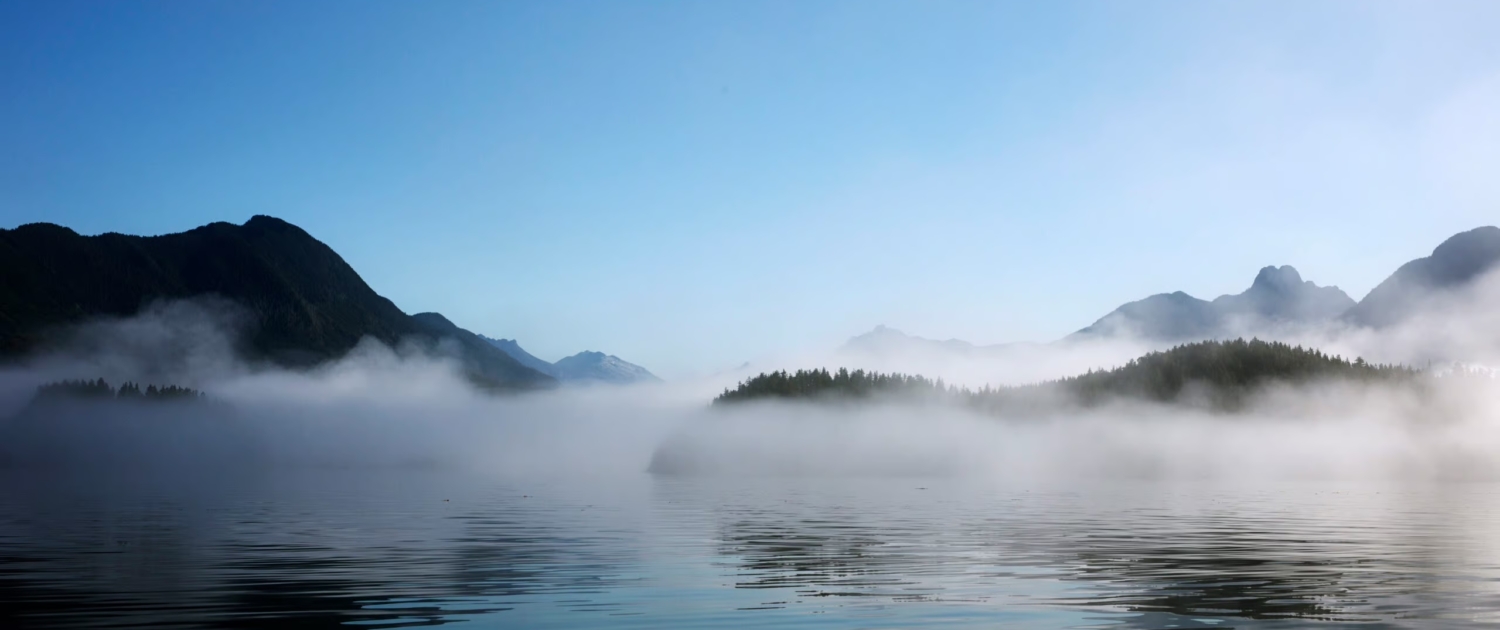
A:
693, 185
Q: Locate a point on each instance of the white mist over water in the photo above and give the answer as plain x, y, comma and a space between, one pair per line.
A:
1350, 431
405, 407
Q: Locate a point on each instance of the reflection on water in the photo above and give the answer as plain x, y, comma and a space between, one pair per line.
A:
406, 549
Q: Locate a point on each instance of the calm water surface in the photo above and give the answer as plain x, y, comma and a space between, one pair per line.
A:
418, 548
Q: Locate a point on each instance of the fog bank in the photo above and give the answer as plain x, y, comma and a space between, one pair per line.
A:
410, 407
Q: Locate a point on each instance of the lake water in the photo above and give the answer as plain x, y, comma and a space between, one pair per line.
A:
394, 549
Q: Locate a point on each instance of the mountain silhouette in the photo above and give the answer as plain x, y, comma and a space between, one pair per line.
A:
306, 305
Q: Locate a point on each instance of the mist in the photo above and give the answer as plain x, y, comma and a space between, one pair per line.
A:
407, 406
1446, 425
1446, 429
410, 407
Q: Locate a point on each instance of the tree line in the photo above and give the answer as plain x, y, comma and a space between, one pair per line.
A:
822, 383
100, 389
1224, 373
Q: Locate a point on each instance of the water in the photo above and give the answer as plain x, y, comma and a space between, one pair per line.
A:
395, 549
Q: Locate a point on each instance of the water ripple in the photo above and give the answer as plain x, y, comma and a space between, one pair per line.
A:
398, 550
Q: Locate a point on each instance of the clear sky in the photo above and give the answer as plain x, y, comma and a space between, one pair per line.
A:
692, 185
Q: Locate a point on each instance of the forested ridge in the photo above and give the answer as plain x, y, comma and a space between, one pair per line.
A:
1221, 373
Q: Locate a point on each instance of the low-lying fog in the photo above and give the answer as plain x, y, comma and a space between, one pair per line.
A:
383, 406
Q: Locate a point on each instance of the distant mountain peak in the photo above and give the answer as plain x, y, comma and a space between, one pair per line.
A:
881, 334
599, 367
1278, 294
884, 340
586, 366
1280, 278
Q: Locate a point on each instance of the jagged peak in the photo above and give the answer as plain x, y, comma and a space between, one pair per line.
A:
1271, 276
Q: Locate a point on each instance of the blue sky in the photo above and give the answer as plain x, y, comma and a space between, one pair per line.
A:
692, 185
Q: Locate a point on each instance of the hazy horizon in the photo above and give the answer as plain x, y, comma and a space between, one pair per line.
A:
692, 186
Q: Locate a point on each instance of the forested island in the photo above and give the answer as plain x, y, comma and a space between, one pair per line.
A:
100, 394
1217, 374
101, 390
132, 427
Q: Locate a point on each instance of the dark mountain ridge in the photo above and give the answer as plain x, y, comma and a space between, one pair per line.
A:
1454, 263
306, 305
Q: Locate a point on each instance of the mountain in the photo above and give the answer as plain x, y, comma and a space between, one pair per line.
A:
1277, 296
1162, 316
513, 348
1453, 264
884, 340
580, 368
306, 305
600, 367
885, 348
477, 355
1280, 294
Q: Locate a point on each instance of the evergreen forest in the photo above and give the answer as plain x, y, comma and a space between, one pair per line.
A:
1220, 373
